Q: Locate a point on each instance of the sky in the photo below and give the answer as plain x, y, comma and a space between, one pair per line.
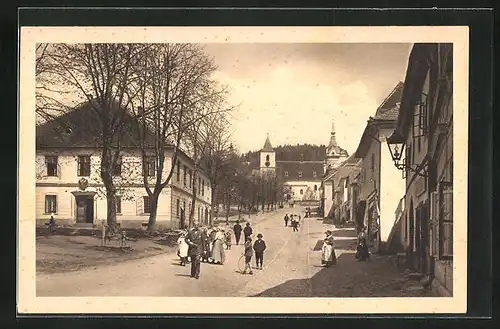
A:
293, 91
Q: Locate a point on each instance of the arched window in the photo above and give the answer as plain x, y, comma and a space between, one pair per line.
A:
267, 157
301, 192
315, 188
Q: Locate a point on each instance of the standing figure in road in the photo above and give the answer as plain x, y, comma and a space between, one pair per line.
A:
228, 238
295, 225
205, 253
183, 248
218, 254
328, 252
248, 255
196, 241
237, 231
362, 253
247, 231
259, 246
286, 220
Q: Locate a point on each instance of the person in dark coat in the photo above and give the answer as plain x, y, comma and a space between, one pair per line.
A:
295, 225
52, 224
286, 219
362, 253
247, 231
237, 232
259, 246
196, 240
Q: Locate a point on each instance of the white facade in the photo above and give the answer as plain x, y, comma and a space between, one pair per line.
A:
81, 199
304, 190
392, 188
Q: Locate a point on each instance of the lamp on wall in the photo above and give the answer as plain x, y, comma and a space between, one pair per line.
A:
397, 149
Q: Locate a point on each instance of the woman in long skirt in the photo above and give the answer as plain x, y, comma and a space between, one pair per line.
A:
328, 257
183, 247
218, 254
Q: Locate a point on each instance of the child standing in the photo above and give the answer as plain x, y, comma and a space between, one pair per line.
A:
259, 246
248, 255
227, 236
183, 247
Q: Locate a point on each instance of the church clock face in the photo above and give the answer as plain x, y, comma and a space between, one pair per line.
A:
267, 163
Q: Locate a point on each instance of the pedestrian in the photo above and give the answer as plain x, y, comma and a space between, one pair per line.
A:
286, 220
295, 225
218, 255
362, 253
247, 231
248, 255
259, 246
196, 241
52, 224
228, 238
205, 252
328, 252
182, 248
237, 232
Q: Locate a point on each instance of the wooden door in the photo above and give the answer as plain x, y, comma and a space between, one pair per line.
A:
81, 210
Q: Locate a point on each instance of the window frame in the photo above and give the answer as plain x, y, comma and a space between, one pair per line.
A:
82, 164
315, 174
285, 173
202, 187
55, 163
146, 200
445, 189
149, 166
184, 175
47, 210
299, 173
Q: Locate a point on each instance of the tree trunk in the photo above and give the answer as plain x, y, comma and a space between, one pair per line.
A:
214, 203
193, 198
107, 180
153, 211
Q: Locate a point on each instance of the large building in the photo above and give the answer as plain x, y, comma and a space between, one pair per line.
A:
69, 186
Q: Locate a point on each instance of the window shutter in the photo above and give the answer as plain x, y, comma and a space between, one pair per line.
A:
139, 205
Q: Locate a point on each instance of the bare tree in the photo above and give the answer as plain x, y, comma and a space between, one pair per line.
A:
98, 74
174, 90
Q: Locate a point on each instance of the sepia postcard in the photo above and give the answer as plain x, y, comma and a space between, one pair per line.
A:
241, 170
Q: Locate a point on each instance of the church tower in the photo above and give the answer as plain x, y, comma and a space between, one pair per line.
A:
267, 157
335, 155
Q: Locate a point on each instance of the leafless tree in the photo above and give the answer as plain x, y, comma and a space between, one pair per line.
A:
173, 93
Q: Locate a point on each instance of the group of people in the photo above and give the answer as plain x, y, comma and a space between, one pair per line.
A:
207, 245
294, 221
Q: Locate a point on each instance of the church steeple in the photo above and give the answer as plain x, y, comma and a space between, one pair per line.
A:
333, 148
267, 145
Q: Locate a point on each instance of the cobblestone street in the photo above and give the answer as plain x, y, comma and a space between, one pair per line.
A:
292, 268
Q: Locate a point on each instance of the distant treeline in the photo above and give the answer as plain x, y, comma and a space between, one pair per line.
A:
306, 152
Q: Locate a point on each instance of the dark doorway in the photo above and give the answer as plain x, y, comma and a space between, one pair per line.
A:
84, 209
411, 227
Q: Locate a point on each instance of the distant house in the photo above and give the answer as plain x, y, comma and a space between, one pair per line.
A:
381, 183
303, 177
338, 190
69, 186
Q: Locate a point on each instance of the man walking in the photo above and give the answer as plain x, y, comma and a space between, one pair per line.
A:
286, 220
295, 225
237, 231
195, 239
259, 246
247, 231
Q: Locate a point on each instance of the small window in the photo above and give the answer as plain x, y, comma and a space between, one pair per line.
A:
117, 167
267, 158
301, 191
84, 165
50, 204
147, 204
203, 187
286, 173
315, 188
372, 163
300, 174
199, 185
178, 208
190, 178
185, 175
149, 168
118, 200
314, 174
51, 162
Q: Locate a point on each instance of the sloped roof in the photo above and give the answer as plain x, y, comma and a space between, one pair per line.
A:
267, 146
307, 169
391, 101
81, 127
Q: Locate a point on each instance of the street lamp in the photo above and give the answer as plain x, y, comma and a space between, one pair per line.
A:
396, 149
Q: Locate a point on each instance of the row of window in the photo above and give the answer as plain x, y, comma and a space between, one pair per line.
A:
203, 212
299, 174
149, 169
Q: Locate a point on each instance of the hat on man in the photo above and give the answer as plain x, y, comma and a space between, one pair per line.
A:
259, 235
248, 224
328, 232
